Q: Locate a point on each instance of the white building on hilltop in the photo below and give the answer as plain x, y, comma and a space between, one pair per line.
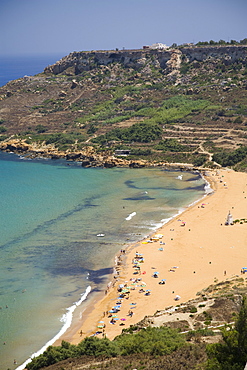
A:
157, 46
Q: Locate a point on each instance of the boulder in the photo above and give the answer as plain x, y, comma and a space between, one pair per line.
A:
86, 163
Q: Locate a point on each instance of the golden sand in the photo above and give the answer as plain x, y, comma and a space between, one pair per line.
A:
197, 250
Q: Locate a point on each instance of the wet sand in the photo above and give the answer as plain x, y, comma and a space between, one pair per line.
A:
197, 249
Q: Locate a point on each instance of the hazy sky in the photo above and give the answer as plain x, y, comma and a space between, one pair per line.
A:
63, 26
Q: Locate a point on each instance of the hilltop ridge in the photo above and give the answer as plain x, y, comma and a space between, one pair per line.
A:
87, 60
178, 105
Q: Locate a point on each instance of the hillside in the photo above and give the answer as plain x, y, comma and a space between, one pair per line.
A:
181, 105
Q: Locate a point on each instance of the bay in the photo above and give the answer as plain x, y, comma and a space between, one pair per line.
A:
51, 214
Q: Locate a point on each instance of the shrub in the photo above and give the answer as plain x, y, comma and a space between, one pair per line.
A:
230, 159
232, 352
3, 129
154, 341
40, 129
171, 145
139, 132
193, 309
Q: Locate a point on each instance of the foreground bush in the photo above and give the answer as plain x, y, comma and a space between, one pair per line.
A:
154, 341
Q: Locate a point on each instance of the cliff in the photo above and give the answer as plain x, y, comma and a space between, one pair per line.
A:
86, 61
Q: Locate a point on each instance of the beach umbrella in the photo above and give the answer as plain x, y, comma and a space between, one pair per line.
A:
163, 279
148, 290
156, 272
101, 322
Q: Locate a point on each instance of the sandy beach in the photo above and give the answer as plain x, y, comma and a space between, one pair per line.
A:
196, 249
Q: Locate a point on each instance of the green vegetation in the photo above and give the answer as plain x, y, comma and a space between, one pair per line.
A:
140, 132
231, 354
3, 129
40, 129
230, 159
221, 42
193, 309
62, 141
172, 145
154, 341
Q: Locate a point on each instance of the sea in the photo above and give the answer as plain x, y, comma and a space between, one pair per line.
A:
13, 67
53, 260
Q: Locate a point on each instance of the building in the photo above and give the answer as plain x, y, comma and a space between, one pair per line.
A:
157, 46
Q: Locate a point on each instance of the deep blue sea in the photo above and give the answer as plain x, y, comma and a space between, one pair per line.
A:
51, 256
14, 67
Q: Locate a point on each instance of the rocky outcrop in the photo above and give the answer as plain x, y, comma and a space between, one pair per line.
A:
168, 60
87, 157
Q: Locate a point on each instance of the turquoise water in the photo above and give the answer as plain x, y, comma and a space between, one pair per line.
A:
51, 214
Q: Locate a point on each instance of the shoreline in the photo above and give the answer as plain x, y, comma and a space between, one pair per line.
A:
89, 318
185, 272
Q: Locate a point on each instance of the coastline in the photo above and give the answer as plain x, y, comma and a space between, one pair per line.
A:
190, 260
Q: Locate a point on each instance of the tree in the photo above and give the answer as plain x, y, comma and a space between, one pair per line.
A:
241, 328
231, 354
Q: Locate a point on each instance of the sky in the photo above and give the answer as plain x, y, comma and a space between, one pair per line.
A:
29, 27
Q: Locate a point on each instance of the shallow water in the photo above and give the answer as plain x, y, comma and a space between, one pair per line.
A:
51, 214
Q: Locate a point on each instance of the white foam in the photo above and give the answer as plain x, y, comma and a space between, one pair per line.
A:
67, 320
130, 216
